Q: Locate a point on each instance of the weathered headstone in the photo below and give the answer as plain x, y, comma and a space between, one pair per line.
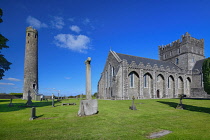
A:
88, 106
180, 105
33, 113
133, 107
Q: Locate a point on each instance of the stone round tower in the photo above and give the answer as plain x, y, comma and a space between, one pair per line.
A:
31, 64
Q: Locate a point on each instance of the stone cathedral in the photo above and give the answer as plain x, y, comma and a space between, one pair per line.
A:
179, 71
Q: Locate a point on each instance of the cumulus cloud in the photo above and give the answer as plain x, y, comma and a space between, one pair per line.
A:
35, 23
7, 84
58, 22
77, 43
12, 79
75, 28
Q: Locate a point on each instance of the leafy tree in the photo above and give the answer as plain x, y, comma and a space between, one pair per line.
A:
206, 75
4, 64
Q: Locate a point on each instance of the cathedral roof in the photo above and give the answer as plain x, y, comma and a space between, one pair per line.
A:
145, 61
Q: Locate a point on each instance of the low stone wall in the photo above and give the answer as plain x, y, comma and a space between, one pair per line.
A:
198, 93
11, 96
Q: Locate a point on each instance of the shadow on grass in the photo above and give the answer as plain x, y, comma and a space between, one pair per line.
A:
5, 100
16, 106
187, 107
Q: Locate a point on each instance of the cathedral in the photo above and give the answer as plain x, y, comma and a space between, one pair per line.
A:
179, 71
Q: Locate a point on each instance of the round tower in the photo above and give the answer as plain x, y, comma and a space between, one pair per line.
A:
31, 64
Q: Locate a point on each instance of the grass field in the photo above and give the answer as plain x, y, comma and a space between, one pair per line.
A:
114, 120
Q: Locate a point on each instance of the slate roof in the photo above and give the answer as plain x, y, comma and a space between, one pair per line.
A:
198, 65
145, 61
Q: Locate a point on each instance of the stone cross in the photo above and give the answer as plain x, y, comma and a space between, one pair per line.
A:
88, 79
133, 107
29, 102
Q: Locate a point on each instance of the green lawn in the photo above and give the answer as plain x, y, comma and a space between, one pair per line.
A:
114, 121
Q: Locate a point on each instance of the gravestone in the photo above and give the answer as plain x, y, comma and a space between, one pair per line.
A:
133, 107
33, 113
88, 106
180, 105
29, 102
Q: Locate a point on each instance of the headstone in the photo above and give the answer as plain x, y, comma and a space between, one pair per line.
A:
29, 102
10, 104
33, 113
88, 106
180, 105
133, 107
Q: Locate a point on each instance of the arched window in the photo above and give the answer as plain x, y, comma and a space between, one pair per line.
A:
112, 71
132, 80
145, 80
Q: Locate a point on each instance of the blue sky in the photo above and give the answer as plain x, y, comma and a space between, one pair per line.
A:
72, 30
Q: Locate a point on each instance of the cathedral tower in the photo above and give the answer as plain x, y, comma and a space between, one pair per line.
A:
183, 52
31, 64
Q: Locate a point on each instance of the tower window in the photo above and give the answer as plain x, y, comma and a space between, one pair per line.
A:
35, 36
177, 61
28, 34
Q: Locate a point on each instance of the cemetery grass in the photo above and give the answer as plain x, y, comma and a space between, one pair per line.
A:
114, 121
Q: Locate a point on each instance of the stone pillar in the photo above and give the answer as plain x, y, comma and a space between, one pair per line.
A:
88, 79
141, 84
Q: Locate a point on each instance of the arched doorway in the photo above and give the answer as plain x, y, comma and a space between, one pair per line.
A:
158, 93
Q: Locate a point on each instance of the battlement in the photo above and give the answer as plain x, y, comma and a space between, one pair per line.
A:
186, 38
31, 29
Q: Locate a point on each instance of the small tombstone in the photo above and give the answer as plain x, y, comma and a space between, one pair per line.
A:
33, 113
29, 102
133, 107
10, 104
180, 105
53, 100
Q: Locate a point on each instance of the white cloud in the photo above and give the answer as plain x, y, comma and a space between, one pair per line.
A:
75, 28
76, 43
7, 84
12, 79
58, 22
35, 23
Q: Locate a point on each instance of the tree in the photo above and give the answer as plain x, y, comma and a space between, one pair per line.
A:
4, 64
206, 75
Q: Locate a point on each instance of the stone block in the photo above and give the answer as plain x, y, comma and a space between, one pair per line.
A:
88, 107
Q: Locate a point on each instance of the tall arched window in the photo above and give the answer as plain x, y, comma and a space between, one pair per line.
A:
132, 80
145, 80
